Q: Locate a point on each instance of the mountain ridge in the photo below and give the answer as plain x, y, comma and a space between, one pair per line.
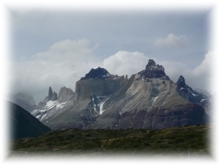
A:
106, 101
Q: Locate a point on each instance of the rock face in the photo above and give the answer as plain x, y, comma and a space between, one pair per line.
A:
23, 124
148, 99
24, 100
100, 87
99, 82
159, 118
65, 94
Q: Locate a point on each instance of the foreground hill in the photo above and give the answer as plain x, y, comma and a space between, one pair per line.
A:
179, 140
23, 124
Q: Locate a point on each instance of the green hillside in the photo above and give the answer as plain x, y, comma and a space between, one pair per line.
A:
179, 140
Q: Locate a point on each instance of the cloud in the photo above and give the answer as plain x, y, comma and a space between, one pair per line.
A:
124, 62
64, 63
172, 41
204, 72
205, 68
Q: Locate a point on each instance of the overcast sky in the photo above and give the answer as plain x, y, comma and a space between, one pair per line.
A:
56, 48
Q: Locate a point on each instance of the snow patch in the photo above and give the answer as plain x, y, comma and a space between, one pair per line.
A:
50, 104
202, 100
153, 99
194, 94
43, 116
42, 110
101, 106
38, 116
60, 105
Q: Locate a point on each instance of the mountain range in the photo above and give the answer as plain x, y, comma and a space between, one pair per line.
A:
148, 99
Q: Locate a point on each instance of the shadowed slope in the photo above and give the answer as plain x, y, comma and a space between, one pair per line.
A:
23, 124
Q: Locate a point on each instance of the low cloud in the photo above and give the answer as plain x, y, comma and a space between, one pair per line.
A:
124, 62
67, 61
62, 64
172, 41
204, 72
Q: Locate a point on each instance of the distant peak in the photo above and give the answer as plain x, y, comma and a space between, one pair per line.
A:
99, 73
181, 79
181, 82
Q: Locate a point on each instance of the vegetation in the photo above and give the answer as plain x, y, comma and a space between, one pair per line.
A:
181, 140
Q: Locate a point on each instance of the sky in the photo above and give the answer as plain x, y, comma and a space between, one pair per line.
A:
57, 47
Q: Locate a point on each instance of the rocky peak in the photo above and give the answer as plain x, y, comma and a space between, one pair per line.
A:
52, 95
65, 94
153, 67
181, 82
151, 63
153, 71
100, 73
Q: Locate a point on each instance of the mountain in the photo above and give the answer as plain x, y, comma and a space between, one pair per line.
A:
24, 100
53, 103
148, 99
23, 124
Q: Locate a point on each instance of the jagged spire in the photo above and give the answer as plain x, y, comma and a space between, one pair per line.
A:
50, 93
181, 82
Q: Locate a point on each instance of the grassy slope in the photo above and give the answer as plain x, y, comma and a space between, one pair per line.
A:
171, 140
